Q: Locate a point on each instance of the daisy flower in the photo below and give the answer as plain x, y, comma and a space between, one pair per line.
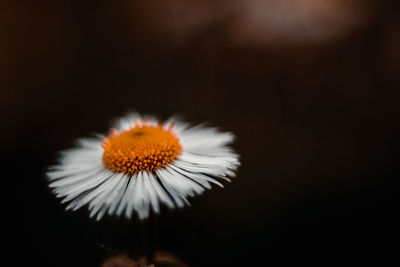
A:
141, 164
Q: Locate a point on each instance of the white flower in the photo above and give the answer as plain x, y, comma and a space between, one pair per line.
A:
143, 163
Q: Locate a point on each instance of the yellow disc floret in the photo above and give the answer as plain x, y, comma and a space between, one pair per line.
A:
142, 148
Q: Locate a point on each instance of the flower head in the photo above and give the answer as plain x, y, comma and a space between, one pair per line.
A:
141, 164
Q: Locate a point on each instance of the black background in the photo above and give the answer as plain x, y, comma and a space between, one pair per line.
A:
317, 126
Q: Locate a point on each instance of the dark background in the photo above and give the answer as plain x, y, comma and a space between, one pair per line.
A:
309, 87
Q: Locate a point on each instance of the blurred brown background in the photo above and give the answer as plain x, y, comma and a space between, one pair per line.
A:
310, 88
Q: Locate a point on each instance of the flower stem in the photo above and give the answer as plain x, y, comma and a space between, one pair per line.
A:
149, 237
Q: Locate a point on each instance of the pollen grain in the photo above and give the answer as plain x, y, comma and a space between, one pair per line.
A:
142, 148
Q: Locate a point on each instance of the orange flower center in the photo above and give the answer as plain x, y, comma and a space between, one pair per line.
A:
142, 148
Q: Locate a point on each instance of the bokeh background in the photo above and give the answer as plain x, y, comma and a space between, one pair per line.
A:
309, 87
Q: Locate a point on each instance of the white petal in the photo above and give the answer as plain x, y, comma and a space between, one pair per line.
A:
221, 162
109, 178
118, 198
94, 143
74, 190
152, 195
77, 178
55, 174
198, 177
106, 196
162, 195
111, 198
208, 170
87, 195
140, 198
177, 196
128, 197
